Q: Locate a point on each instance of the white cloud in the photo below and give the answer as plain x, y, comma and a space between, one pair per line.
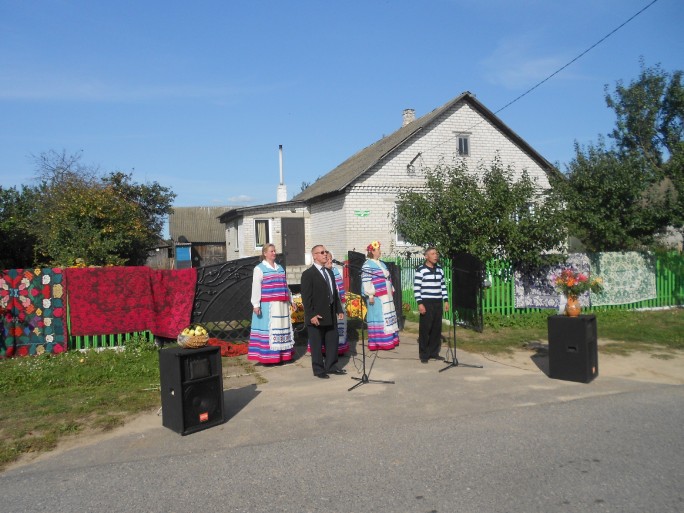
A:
516, 63
56, 87
242, 198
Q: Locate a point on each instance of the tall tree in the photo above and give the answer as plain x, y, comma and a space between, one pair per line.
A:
616, 202
102, 219
487, 214
17, 209
628, 195
649, 114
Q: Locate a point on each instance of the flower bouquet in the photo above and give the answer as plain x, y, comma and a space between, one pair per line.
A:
356, 308
572, 283
297, 309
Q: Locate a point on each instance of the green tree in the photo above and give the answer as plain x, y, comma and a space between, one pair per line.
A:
615, 202
17, 209
487, 214
626, 196
105, 220
650, 115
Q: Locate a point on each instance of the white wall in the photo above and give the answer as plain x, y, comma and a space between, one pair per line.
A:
375, 193
246, 235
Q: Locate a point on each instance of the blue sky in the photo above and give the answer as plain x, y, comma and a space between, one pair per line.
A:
198, 95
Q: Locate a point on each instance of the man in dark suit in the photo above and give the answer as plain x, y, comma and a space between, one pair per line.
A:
322, 309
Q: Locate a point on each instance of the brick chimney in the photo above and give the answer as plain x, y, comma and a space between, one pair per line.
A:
409, 115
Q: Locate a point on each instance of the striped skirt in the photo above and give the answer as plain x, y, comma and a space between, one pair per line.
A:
261, 334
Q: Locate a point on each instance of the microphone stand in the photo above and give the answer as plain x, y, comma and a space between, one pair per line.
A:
364, 379
454, 361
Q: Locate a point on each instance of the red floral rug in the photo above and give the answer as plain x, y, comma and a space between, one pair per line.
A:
228, 348
110, 300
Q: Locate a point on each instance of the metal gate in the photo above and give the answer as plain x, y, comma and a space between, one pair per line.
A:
222, 299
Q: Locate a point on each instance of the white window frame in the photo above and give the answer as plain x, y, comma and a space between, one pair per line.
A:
237, 235
269, 235
399, 241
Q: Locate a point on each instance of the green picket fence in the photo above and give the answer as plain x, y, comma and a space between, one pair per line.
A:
500, 297
117, 340
497, 299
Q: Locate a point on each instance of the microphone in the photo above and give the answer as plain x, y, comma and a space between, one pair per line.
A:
338, 262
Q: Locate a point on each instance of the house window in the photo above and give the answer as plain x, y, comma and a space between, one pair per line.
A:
262, 232
236, 235
463, 145
401, 239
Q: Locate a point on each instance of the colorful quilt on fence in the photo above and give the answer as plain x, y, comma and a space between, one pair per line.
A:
33, 314
110, 300
538, 292
628, 277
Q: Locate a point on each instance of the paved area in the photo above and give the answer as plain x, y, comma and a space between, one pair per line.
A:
497, 438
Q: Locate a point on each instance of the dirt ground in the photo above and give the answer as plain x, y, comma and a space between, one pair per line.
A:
653, 366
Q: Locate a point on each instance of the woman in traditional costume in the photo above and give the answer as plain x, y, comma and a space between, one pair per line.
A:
383, 330
343, 345
271, 339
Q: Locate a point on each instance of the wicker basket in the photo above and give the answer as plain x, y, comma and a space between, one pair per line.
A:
192, 341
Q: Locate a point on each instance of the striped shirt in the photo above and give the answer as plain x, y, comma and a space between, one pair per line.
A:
429, 285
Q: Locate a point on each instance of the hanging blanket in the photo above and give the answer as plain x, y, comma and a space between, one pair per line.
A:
628, 277
110, 300
538, 292
173, 294
32, 306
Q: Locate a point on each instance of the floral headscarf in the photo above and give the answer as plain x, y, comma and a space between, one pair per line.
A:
373, 245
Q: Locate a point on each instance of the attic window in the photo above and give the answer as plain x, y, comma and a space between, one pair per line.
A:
464, 145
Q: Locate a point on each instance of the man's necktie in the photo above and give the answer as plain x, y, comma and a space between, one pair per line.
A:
327, 281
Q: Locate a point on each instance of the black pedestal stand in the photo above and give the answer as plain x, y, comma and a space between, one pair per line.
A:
454, 361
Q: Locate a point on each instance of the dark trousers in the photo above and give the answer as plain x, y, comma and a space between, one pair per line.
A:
430, 330
319, 336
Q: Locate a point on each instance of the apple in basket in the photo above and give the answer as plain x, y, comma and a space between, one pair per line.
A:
194, 331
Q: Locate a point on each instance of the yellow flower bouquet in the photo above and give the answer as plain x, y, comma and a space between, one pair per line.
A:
356, 308
297, 310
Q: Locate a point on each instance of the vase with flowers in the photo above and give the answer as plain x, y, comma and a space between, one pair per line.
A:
572, 284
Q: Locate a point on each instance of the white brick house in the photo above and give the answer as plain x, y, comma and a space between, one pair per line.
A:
285, 224
355, 203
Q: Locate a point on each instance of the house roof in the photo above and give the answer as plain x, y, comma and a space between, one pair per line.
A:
351, 169
197, 224
229, 215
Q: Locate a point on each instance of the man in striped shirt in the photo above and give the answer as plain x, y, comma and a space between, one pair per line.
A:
430, 292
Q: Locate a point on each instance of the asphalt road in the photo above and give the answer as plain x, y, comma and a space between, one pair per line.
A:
496, 439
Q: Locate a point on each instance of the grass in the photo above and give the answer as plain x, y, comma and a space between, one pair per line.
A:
46, 398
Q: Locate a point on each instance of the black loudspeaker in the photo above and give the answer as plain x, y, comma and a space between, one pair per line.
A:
191, 388
356, 260
573, 348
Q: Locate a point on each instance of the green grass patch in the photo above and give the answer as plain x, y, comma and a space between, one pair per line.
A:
654, 327
48, 397
628, 331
